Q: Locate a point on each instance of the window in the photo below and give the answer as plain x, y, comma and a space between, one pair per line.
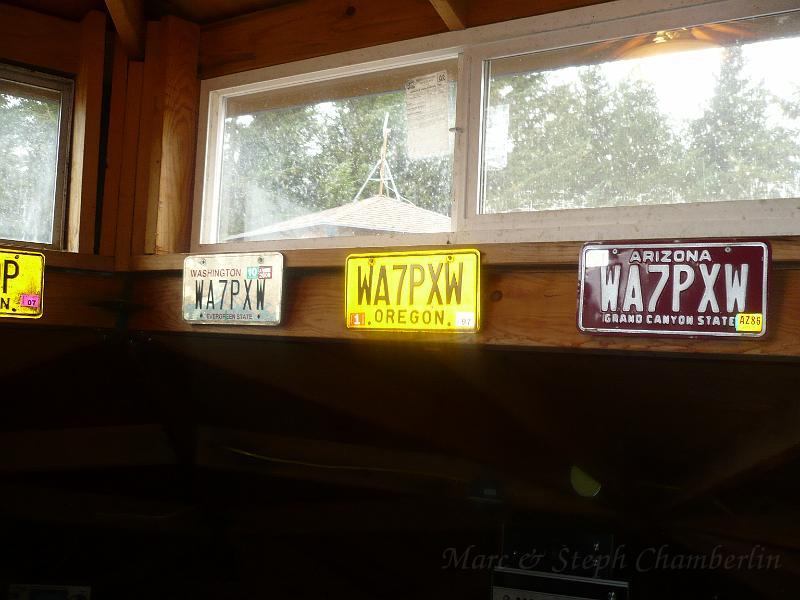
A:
696, 114
34, 137
342, 157
614, 121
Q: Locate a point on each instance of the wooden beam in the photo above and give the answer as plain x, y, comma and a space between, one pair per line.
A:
88, 102
452, 12
128, 18
279, 35
85, 448
531, 307
32, 38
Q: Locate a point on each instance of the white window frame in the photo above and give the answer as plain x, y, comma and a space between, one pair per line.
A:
474, 47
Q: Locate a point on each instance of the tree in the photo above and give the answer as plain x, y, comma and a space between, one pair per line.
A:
28, 162
737, 151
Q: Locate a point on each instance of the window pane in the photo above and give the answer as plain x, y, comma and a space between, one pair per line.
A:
695, 115
29, 131
294, 160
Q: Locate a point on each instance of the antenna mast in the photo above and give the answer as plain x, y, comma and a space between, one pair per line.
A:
384, 178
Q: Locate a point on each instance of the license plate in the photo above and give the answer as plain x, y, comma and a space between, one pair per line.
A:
233, 289
693, 288
21, 284
414, 291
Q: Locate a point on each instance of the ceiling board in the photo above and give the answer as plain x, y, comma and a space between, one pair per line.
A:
208, 11
73, 10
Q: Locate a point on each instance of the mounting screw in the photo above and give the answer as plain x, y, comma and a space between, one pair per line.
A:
728, 249
615, 251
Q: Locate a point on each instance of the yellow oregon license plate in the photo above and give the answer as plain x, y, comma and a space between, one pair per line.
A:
21, 284
435, 290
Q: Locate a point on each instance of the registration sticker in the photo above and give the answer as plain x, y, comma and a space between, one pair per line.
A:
21, 284
749, 322
435, 290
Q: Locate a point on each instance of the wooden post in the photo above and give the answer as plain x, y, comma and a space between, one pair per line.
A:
170, 100
86, 135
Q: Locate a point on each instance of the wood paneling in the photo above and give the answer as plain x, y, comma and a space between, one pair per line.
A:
114, 152
483, 12
180, 46
369, 467
82, 203
149, 157
167, 134
74, 10
521, 307
130, 153
85, 448
311, 28
39, 40
77, 299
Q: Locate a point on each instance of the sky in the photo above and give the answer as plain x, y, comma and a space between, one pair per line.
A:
684, 81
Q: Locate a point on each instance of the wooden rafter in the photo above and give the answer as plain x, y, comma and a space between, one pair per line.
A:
128, 18
452, 12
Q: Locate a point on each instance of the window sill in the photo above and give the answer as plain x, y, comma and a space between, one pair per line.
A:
548, 254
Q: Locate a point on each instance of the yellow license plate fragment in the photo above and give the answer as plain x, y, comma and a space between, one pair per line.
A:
414, 291
21, 284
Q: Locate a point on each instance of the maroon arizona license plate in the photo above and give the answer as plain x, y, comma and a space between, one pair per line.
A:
691, 288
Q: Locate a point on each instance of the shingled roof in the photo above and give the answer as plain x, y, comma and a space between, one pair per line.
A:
378, 214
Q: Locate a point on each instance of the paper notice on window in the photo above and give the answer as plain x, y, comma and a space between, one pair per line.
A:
495, 147
428, 115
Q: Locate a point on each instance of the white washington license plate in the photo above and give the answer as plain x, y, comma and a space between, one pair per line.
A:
233, 289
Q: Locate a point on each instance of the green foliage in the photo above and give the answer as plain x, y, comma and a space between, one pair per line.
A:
735, 152
28, 149
283, 163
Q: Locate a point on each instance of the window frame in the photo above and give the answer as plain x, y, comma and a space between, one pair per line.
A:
66, 87
474, 48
